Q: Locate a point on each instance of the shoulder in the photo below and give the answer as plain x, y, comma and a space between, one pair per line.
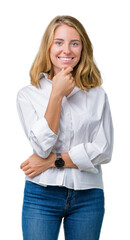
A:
26, 91
25, 94
98, 90
30, 90
97, 93
97, 99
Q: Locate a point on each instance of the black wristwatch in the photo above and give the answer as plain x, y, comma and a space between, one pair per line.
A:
59, 162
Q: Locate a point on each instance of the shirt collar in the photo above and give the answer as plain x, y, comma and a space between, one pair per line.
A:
44, 76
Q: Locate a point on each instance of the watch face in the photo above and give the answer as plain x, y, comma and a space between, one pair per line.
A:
59, 163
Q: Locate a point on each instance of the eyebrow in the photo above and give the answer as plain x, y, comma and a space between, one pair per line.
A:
74, 40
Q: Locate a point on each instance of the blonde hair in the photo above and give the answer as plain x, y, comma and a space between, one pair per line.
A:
86, 73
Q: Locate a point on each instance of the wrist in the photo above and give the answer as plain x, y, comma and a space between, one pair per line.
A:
59, 163
68, 161
56, 96
54, 157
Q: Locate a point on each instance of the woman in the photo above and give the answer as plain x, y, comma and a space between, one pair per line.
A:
66, 116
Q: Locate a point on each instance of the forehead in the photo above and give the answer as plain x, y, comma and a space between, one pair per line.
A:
64, 31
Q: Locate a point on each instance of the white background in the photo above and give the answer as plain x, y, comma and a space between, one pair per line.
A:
22, 24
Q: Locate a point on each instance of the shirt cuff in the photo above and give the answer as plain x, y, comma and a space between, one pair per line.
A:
41, 133
81, 159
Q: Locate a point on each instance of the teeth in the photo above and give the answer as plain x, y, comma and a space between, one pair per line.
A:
66, 59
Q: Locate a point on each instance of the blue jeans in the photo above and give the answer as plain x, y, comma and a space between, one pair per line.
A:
44, 207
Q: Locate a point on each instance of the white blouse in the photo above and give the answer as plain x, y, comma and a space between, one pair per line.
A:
85, 132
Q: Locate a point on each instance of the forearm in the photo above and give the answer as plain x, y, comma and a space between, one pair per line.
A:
65, 156
62, 84
68, 161
52, 114
35, 165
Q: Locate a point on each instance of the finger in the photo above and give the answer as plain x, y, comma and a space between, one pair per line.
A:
69, 76
29, 171
68, 70
72, 79
33, 174
25, 168
24, 164
73, 85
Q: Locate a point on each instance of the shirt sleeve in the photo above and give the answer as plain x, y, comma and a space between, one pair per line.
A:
88, 155
37, 130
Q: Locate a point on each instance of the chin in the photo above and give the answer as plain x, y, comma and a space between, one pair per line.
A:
67, 65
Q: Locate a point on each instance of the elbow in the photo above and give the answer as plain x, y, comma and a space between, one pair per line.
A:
40, 149
106, 160
46, 154
105, 153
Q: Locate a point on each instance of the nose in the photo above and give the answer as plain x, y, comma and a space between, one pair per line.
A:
66, 49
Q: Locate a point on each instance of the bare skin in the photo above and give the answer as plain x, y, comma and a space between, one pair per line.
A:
63, 83
34, 165
65, 53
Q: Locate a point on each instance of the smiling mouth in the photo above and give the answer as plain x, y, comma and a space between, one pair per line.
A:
65, 59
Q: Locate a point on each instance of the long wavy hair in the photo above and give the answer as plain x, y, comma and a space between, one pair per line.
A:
85, 73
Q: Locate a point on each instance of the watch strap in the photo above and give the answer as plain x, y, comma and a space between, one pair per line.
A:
58, 155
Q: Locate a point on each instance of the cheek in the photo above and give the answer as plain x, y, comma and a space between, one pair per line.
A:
52, 55
78, 54
51, 52
54, 51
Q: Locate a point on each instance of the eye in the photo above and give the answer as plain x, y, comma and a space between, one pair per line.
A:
75, 44
58, 43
